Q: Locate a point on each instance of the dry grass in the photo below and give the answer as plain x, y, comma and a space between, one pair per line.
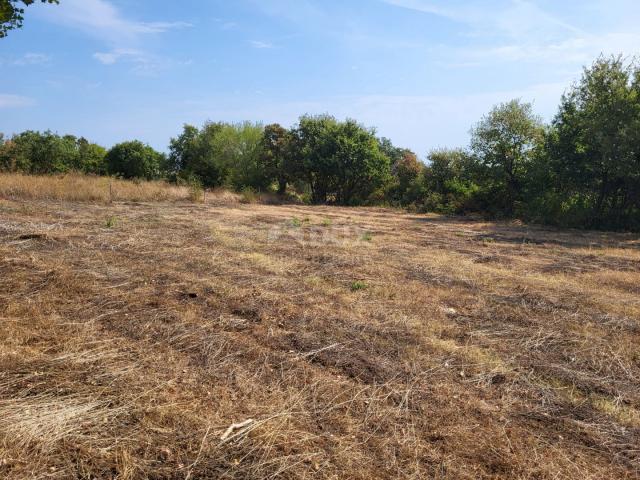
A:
81, 188
477, 349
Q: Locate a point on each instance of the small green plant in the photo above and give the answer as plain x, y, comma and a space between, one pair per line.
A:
295, 222
358, 285
196, 191
249, 195
366, 237
326, 222
487, 241
111, 222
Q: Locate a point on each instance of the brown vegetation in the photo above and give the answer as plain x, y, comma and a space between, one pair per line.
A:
82, 188
132, 336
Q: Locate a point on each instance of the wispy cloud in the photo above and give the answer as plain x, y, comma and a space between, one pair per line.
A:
102, 19
109, 58
306, 12
15, 101
261, 45
32, 59
514, 18
144, 63
127, 39
520, 30
226, 24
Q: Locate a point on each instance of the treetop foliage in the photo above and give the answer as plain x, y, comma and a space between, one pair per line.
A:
134, 159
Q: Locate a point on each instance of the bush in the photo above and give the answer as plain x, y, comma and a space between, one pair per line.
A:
134, 160
249, 195
196, 192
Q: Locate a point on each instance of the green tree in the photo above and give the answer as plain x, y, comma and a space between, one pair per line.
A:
193, 154
237, 151
12, 14
593, 148
341, 161
40, 153
46, 152
361, 167
407, 172
7, 155
182, 151
134, 159
219, 154
91, 157
313, 161
405, 185
275, 155
505, 142
451, 182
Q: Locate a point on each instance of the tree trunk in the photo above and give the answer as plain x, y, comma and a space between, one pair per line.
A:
604, 186
282, 186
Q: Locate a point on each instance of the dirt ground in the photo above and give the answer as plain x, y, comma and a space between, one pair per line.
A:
351, 344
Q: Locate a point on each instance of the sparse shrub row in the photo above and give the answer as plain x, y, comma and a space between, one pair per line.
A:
582, 170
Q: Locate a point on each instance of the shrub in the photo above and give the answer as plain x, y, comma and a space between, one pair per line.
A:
249, 195
134, 160
358, 285
196, 191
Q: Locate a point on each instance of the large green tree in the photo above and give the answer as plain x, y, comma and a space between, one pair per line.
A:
341, 161
405, 185
313, 144
219, 154
275, 155
91, 157
238, 150
12, 14
193, 155
451, 181
134, 159
505, 142
594, 147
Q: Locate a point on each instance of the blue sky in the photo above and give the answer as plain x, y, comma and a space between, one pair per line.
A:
420, 71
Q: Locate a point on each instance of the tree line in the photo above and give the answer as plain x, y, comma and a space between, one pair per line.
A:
581, 170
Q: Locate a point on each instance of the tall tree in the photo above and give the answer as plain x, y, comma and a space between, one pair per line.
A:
594, 147
91, 157
276, 149
313, 159
405, 185
451, 182
505, 142
341, 161
134, 159
194, 154
237, 149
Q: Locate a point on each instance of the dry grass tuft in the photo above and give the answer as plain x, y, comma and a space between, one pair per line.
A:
82, 188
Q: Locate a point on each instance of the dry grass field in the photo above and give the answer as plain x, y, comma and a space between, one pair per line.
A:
347, 343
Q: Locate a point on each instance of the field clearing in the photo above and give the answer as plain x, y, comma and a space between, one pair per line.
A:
361, 343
